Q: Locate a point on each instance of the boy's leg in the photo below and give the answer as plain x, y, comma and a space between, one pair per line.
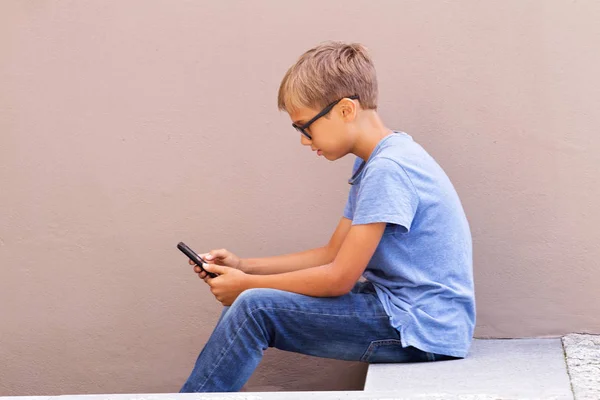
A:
350, 327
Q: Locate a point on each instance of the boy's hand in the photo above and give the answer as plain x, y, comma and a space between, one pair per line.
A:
228, 285
220, 257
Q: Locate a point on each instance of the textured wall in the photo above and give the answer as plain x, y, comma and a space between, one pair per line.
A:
126, 127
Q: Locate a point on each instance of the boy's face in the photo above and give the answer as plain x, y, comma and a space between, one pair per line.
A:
331, 134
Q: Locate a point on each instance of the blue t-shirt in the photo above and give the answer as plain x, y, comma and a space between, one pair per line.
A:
422, 269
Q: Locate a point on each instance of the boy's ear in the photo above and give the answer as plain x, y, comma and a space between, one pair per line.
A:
348, 110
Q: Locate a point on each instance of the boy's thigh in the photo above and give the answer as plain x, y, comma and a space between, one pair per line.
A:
351, 327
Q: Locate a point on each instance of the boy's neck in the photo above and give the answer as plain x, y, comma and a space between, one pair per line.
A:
370, 132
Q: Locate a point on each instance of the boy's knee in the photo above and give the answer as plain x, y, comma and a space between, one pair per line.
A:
256, 298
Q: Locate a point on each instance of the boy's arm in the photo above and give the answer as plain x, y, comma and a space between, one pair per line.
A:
302, 260
332, 279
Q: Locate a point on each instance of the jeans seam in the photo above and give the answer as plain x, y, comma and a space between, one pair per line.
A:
375, 344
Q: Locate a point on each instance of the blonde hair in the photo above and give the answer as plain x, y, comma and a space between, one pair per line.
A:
326, 73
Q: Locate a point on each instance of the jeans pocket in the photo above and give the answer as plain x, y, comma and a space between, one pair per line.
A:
391, 351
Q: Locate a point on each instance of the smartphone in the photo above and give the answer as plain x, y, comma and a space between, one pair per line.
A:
194, 257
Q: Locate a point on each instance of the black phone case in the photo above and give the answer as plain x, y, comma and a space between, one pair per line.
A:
194, 257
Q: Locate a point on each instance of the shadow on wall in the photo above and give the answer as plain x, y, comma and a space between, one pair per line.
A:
291, 375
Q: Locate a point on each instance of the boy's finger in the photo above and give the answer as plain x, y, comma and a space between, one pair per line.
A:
220, 253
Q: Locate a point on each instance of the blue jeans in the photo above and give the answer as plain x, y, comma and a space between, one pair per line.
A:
352, 327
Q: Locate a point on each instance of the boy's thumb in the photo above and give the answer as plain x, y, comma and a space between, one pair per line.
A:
217, 269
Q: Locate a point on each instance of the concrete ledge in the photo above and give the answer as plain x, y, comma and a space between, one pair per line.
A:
494, 369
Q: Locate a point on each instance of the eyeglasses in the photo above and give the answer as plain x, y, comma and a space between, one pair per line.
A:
302, 129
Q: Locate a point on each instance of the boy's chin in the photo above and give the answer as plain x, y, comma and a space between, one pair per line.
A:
333, 157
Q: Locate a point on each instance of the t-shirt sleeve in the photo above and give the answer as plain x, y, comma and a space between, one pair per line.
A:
386, 194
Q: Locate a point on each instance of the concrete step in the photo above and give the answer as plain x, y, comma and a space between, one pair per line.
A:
494, 369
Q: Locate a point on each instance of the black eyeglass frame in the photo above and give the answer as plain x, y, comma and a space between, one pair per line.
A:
302, 129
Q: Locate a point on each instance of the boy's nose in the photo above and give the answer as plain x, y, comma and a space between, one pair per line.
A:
304, 140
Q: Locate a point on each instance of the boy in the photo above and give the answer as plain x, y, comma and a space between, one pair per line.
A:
403, 229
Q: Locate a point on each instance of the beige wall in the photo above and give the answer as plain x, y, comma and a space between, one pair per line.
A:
128, 126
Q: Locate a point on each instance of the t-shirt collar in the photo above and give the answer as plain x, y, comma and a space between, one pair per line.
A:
358, 173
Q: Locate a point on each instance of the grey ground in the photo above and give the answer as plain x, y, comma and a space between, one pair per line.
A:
582, 353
